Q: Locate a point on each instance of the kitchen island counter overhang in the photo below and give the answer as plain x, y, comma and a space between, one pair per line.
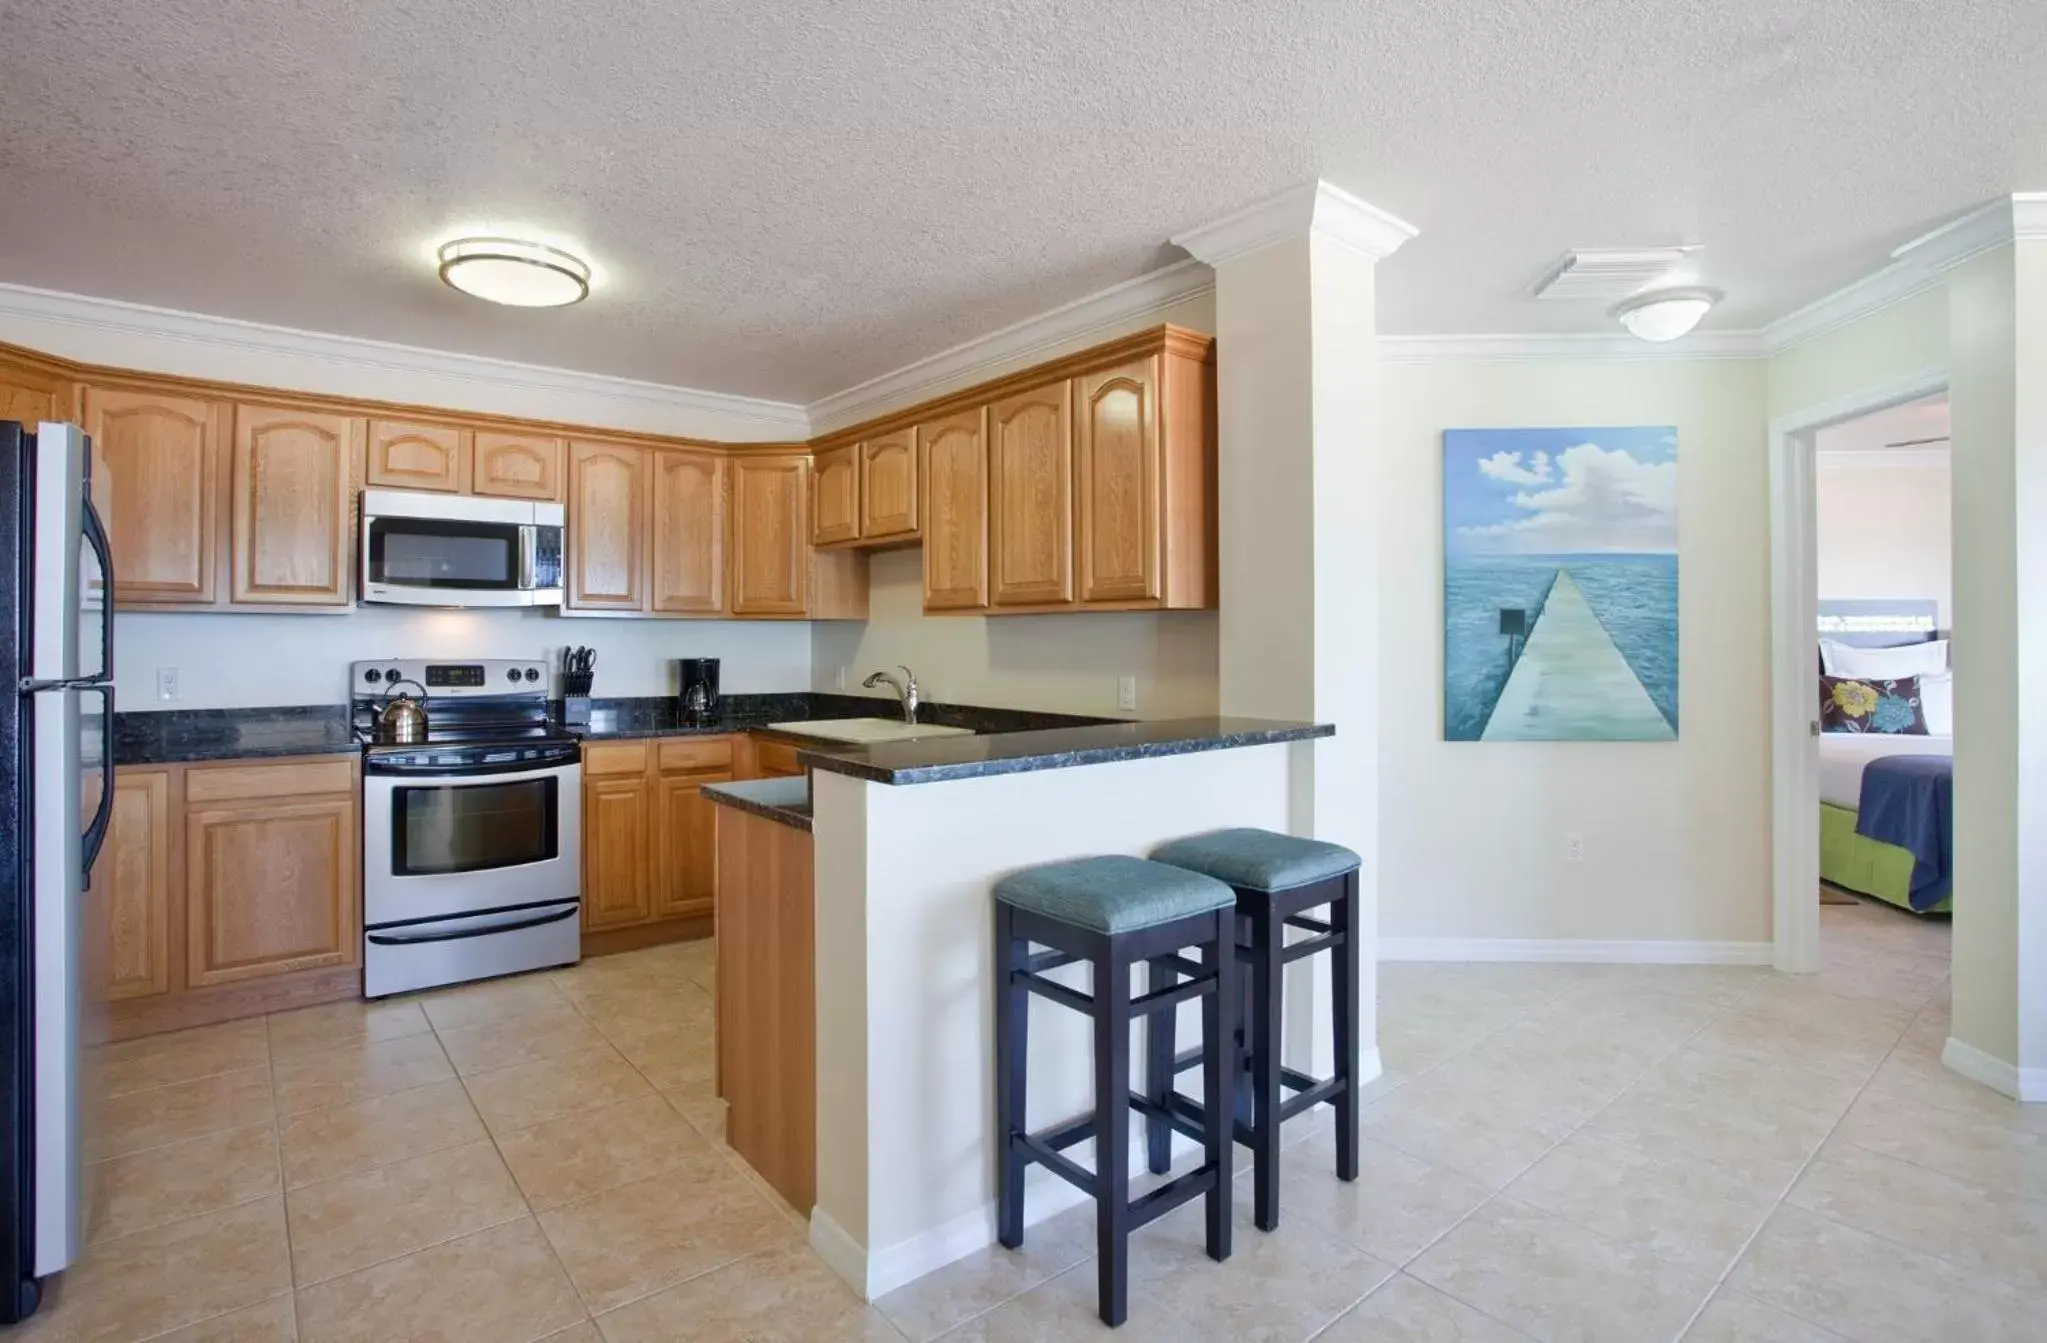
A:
905, 1176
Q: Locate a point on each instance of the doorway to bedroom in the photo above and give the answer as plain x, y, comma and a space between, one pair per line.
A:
1884, 604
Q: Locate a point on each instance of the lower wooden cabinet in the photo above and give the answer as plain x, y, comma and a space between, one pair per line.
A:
615, 852
226, 890
686, 853
649, 859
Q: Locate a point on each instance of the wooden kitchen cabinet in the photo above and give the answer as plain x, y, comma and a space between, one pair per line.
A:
165, 450
685, 870
770, 535
617, 885
835, 496
955, 506
406, 455
271, 885
31, 393
687, 534
648, 852
888, 487
1118, 483
291, 505
1030, 497
512, 465
130, 894
606, 541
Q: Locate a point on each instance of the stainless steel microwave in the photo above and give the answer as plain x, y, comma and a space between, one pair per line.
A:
423, 549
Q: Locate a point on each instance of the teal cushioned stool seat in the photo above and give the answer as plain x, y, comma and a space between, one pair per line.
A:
1113, 893
1258, 860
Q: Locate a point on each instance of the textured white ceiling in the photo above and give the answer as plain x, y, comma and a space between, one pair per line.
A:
790, 197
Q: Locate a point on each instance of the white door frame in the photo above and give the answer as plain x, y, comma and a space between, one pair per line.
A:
1794, 632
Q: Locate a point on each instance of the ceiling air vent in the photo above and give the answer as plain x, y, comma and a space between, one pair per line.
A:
1609, 274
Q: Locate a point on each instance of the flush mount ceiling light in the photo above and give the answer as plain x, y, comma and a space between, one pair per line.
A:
1665, 314
514, 271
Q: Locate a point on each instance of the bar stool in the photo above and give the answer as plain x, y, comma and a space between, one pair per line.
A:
1112, 912
1277, 879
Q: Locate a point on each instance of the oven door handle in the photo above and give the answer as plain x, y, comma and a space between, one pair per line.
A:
510, 772
482, 930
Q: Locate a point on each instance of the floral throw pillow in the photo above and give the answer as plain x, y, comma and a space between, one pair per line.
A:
1861, 704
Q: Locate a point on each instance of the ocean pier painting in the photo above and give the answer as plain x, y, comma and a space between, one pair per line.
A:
1560, 584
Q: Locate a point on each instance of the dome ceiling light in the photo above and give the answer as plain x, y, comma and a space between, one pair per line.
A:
514, 271
1665, 314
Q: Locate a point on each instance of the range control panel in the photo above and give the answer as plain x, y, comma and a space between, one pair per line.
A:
449, 679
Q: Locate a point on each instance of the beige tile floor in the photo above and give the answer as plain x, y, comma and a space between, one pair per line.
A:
1556, 1152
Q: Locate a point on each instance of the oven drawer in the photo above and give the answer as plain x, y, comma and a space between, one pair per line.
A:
448, 951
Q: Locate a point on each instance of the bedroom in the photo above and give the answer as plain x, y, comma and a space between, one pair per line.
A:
1884, 551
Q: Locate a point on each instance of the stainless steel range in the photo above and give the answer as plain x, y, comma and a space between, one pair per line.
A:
472, 838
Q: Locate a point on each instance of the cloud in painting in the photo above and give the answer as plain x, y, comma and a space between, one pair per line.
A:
1507, 466
1603, 501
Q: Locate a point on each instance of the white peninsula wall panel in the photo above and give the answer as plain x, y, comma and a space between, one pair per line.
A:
906, 982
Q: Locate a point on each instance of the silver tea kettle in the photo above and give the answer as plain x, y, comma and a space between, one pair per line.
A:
403, 718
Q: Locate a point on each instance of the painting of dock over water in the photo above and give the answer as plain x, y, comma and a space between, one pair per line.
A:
1560, 584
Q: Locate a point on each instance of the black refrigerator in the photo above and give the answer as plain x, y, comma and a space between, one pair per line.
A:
56, 795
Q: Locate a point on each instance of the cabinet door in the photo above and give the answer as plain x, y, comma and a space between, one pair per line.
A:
516, 466
888, 485
835, 496
165, 453
955, 483
1118, 451
290, 536
1030, 497
270, 888
616, 874
770, 536
685, 873
689, 532
131, 885
31, 395
607, 513
409, 456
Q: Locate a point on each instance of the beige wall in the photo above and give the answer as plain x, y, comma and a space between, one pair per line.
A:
1060, 663
1883, 348
1676, 836
1884, 532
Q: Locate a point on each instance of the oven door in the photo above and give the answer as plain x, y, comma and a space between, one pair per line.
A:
470, 843
418, 561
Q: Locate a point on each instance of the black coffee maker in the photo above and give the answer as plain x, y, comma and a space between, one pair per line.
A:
697, 693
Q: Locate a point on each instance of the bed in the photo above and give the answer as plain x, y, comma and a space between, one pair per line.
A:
1908, 794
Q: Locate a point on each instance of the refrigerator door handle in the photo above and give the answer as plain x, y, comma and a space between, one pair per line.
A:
103, 550
103, 812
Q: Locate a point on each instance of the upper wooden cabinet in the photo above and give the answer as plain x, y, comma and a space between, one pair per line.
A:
516, 465
1030, 498
166, 452
770, 535
835, 496
31, 393
888, 486
688, 533
410, 456
290, 504
1118, 484
955, 481
607, 560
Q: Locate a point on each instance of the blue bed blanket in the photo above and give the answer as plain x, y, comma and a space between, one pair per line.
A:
1909, 801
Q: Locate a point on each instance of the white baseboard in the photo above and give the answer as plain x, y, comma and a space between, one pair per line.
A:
2021, 1084
841, 1253
1566, 950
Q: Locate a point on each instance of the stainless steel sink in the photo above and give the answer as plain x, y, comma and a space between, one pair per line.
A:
866, 731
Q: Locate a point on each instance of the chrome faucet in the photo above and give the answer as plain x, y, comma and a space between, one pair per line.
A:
906, 690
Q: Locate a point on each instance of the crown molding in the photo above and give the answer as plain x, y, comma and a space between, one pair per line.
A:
785, 419
1534, 346
1880, 459
1315, 207
2001, 220
1892, 283
1068, 326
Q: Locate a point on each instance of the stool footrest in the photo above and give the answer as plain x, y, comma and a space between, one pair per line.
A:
1057, 992
1158, 1000
1183, 1121
1308, 946
1171, 1195
1310, 1098
1064, 1167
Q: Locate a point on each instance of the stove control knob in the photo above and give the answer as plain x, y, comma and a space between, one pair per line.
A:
533, 673
373, 676
512, 675
393, 674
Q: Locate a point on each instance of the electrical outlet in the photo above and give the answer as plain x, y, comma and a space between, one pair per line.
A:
166, 683
1574, 847
1126, 693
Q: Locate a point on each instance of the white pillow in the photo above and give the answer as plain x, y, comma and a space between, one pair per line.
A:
1937, 702
1883, 664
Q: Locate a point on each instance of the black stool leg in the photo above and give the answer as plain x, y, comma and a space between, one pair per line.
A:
1112, 1131
1012, 1035
1219, 1071
1343, 973
1262, 1037
1159, 1046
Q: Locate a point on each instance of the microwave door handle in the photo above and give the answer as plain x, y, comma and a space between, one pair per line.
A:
527, 543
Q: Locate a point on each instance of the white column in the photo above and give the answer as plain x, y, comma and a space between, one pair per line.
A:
1296, 331
1997, 352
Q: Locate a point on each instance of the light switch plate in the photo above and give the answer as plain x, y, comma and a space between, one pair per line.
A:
1126, 693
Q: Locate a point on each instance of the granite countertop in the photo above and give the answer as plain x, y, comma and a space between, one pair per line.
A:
938, 759
185, 736
785, 800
